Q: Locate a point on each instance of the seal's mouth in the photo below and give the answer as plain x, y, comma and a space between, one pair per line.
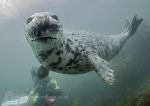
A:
43, 38
42, 27
43, 31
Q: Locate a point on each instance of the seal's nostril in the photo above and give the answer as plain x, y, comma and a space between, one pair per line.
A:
29, 20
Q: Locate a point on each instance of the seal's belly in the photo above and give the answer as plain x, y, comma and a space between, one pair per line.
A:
64, 62
74, 69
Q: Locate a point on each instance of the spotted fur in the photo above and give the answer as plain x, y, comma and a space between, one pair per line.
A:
74, 52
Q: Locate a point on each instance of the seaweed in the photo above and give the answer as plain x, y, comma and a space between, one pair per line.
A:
75, 102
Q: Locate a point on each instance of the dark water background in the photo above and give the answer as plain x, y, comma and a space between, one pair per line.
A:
102, 16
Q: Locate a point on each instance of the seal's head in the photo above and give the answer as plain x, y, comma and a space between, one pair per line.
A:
43, 27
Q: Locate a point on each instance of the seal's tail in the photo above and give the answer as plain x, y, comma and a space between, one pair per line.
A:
132, 27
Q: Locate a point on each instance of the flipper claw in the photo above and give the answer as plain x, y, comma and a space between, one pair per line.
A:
103, 69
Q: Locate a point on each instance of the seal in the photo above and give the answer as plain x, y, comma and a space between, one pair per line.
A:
74, 52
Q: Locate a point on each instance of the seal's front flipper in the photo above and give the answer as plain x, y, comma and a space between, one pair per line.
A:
103, 68
42, 72
34, 71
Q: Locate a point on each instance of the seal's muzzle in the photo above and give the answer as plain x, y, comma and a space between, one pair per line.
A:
40, 27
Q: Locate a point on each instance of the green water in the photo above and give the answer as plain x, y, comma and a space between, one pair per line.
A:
103, 16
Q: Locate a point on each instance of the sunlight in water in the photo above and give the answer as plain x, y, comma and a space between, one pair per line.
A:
7, 8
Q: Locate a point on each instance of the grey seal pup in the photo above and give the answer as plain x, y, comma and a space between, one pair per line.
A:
74, 52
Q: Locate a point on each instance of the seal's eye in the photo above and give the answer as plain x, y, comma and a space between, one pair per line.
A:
29, 20
55, 17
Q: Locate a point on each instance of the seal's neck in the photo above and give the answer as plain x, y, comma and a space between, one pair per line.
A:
60, 39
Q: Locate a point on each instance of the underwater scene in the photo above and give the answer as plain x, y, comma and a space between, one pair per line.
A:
74, 53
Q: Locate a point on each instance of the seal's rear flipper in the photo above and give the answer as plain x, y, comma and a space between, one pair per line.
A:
42, 72
134, 25
102, 68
